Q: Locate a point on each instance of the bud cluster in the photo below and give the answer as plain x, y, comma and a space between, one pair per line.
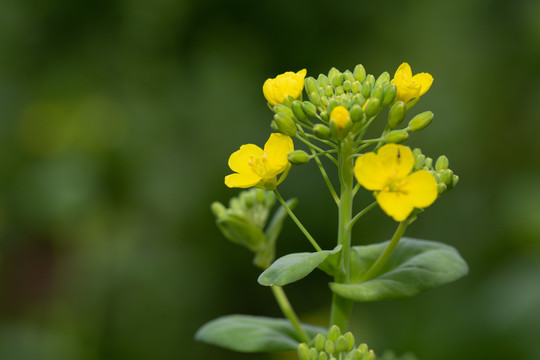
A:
335, 346
345, 102
446, 179
244, 220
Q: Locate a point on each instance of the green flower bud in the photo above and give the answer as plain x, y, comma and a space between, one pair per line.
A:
347, 86
315, 98
372, 107
383, 79
337, 80
370, 78
332, 105
322, 81
334, 333
218, 209
446, 177
350, 340
420, 121
441, 163
377, 92
356, 86
396, 114
370, 355
416, 152
324, 115
359, 73
362, 349
441, 187
273, 126
390, 91
357, 354
341, 344
285, 124
419, 161
359, 99
321, 131
356, 113
324, 101
310, 85
298, 157
366, 89
288, 100
303, 352
297, 110
455, 180
346, 101
323, 356
348, 75
329, 347
313, 353
428, 163
339, 90
396, 136
332, 74
309, 109
320, 340
280, 108
328, 91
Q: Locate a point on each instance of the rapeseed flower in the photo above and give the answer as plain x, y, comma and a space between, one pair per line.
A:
290, 83
397, 190
254, 166
409, 86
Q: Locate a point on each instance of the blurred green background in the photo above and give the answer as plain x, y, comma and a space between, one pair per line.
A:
116, 122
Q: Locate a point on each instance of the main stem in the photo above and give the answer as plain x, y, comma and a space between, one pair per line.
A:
341, 307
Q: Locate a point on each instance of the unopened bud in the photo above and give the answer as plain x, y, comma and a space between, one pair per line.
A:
328, 91
298, 157
356, 113
370, 356
357, 354
273, 126
341, 117
420, 121
310, 85
337, 80
377, 92
324, 115
455, 180
359, 99
372, 107
334, 333
441, 187
396, 114
396, 136
322, 81
341, 344
324, 101
323, 356
339, 90
321, 131
359, 73
332, 104
366, 89
446, 177
297, 110
320, 340
309, 109
356, 86
315, 98
288, 100
313, 353
280, 108
348, 75
428, 163
370, 78
218, 209
441, 163
329, 347
347, 86
419, 161
332, 74
350, 340
390, 91
383, 79
303, 352
285, 124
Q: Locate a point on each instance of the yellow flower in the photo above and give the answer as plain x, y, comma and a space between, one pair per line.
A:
289, 83
254, 166
341, 116
388, 173
409, 86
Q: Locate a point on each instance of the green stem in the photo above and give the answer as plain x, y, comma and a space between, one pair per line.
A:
341, 307
383, 258
297, 222
288, 311
362, 213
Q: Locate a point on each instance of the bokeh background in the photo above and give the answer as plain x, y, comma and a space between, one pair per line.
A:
116, 122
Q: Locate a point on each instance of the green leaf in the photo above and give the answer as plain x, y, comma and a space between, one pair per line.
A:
293, 267
245, 333
414, 266
332, 263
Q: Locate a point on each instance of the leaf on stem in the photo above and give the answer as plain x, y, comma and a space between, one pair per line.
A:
293, 267
249, 334
414, 266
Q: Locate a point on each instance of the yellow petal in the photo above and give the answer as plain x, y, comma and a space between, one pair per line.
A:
395, 204
421, 188
238, 161
396, 160
268, 91
424, 80
242, 180
404, 70
369, 172
277, 148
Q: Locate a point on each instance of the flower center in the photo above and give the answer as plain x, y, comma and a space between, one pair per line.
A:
258, 165
396, 186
